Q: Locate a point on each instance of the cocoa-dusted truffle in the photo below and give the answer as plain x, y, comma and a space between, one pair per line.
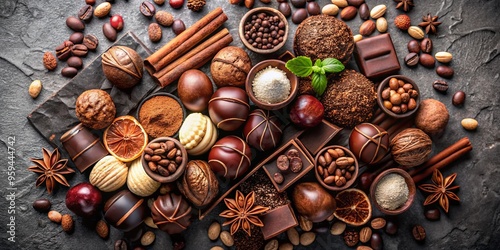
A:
171, 213
122, 66
323, 36
199, 184
95, 109
262, 131
432, 116
369, 142
230, 67
349, 99
228, 108
230, 157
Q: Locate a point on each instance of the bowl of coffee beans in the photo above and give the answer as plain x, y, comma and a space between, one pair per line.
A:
263, 30
336, 168
398, 96
164, 159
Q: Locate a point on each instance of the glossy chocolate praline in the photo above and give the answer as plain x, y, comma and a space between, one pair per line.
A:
369, 142
125, 210
195, 89
171, 213
228, 108
199, 184
122, 66
230, 157
262, 131
313, 202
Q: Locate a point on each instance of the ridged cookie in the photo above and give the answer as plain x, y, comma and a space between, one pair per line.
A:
193, 130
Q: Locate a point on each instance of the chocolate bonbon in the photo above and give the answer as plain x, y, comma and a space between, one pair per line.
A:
262, 130
171, 213
369, 142
376, 57
230, 157
313, 201
228, 108
125, 211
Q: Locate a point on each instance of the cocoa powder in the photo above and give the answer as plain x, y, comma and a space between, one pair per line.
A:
161, 116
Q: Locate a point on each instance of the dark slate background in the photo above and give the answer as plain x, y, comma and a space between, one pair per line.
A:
470, 31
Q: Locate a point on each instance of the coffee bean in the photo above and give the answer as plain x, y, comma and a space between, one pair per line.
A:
282, 163
418, 233
120, 245
42, 205
298, 3
69, 72
90, 41
295, 164
348, 13
79, 50
75, 23
355, 3
76, 37
147, 9
109, 32
278, 178
299, 15
364, 11
63, 51
432, 214
427, 60
426, 45
178, 26
313, 8
86, 13
411, 59
391, 227
376, 242
285, 9
440, 85
75, 62
458, 98
413, 46
445, 71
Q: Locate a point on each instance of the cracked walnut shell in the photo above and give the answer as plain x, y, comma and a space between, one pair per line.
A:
95, 109
199, 184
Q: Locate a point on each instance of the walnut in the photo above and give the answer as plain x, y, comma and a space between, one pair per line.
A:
196, 5
230, 67
95, 109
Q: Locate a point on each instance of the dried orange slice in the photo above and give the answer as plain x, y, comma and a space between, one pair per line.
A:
125, 138
353, 207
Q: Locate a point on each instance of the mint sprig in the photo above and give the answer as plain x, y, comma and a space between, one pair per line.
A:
302, 66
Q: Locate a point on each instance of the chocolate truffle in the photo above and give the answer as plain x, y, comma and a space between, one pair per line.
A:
228, 108
323, 36
230, 157
230, 67
432, 116
198, 184
262, 131
369, 142
95, 109
171, 213
195, 89
122, 66
125, 211
313, 201
349, 99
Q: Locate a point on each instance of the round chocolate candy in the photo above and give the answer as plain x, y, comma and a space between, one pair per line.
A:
262, 131
313, 202
125, 211
171, 213
228, 108
195, 89
369, 142
230, 157
199, 184
122, 66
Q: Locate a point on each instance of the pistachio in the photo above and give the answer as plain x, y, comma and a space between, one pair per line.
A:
469, 123
381, 24
35, 88
340, 3
330, 9
443, 57
378, 11
358, 38
416, 32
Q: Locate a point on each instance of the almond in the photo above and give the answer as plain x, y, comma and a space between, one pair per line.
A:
149, 222
367, 28
214, 230
357, 38
227, 239
381, 24
67, 223
340, 3
469, 123
348, 13
330, 9
416, 32
55, 216
443, 57
307, 238
102, 9
293, 236
148, 238
49, 61
338, 228
378, 11
102, 229
35, 88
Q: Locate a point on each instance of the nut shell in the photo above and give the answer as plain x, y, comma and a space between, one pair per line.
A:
230, 67
95, 109
411, 147
108, 174
139, 182
122, 66
199, 184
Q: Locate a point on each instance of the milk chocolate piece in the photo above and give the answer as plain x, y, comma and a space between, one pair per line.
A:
376, 57
277, 221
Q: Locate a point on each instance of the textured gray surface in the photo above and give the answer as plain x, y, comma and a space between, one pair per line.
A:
470, 31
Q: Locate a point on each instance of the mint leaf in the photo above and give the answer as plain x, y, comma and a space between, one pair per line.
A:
301, 66
316, 69
332, 65
319, 83
318, 63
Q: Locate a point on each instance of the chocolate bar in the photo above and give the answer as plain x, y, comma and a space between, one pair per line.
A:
376, 57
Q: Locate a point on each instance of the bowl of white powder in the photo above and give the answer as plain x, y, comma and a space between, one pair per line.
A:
270, 85
393, 191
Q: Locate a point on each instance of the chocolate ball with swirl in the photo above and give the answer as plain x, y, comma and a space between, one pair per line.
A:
262, 131
122, 66
228, 108
171, 213
369, 142
230, 157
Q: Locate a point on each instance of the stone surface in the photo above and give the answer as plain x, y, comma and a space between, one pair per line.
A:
469, 31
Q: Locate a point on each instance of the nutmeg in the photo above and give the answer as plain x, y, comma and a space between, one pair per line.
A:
95, 109
230, 67
411, 147
199, 184
122, 66
139, 182
108, 174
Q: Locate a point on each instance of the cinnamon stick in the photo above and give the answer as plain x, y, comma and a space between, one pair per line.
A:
195, 61
445, 162
213, 39
378, 117
398, 127
188, 39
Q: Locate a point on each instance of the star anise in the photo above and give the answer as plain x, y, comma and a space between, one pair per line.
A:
429, 23
51, 169
242, 213
440, 190
406, 4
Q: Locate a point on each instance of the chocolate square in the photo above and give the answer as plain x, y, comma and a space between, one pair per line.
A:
314, 139
277, 221
269, 165
376, 57
287, 55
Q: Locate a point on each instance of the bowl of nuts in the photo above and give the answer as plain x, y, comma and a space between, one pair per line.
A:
263, 30
164, 159
336, 168
398, 96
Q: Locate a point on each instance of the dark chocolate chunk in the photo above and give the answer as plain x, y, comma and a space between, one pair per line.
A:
376, 57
